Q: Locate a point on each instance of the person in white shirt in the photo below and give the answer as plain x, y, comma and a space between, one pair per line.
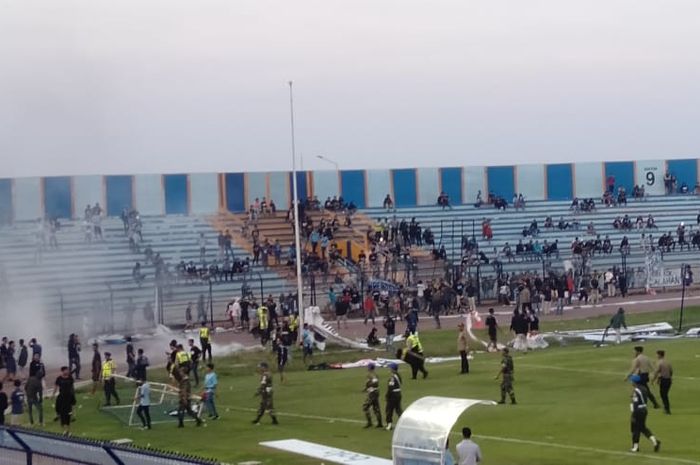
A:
468, 451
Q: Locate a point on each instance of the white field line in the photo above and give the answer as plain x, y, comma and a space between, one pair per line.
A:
593, 450
593, 372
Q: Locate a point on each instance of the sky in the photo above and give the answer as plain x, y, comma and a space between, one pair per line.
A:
168, 86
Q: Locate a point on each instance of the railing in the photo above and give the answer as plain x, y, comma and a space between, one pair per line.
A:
24, 447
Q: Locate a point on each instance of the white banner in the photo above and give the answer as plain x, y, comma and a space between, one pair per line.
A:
325, 453
650, 174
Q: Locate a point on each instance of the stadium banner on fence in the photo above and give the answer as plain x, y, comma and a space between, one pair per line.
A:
664, 278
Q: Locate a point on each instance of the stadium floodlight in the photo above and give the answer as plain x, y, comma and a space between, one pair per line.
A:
295, 200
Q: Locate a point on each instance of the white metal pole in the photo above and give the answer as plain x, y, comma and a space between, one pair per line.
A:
295, 199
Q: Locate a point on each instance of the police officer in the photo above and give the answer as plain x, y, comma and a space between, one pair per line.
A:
663, 375
506, 375
110, 385
413, 343
393, 396
372, 400
263, 324
415, 360
639, 415
642, 366
204, 341
183, 360
265, 393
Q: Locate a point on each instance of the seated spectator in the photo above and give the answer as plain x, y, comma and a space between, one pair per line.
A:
563, 225
621, 196
607, 245
684, 188
444, 201
590, 229
388, 204
500, 203
651, 223
534, 228
508, 253
328, 204
479, 201
428, 237
549, 224
639, 222
574, 205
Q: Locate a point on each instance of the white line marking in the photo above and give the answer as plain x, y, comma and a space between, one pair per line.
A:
498, 438
593, 372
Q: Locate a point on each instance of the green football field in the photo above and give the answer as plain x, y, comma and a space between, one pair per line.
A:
573, 406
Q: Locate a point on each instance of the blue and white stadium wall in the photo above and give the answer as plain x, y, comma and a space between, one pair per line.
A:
195, 194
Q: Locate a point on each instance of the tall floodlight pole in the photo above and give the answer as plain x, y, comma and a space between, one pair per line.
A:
295, 199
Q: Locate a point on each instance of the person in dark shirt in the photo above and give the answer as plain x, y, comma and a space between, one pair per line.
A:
142, 364
195, 356
23, 358
74, 355
3, 405
390, 326
17, 401
64, 397
130, 358
96, 367
36, 367
492, 326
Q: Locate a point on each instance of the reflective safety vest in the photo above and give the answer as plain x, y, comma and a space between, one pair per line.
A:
293, 322
204, 332
108, 369
262, 317
182, 357
413, 343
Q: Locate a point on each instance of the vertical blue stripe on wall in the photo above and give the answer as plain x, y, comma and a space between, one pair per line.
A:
451, 181
353, 187
560, 182
302, 190
5, 201
685, 171
119, 194
176, 194
623, 172
57, 197
501, 180
235, 192
404, 187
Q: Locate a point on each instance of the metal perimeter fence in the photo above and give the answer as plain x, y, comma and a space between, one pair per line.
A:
26, 447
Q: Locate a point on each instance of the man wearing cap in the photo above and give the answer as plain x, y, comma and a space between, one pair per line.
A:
265, 393
662, 376
641, 365
463, 348
393, 396
639, 415
110, 384
372, 400
506, 375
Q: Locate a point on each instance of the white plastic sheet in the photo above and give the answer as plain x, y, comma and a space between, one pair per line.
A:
424, 427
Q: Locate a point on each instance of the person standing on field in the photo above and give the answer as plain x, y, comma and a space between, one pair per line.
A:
372, 400
143, 397
506, 375
638, 424
492, 326
641, 365
662, 376
468, 452
463, 348
393, 396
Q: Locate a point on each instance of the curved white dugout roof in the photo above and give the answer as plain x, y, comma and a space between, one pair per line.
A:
424, 427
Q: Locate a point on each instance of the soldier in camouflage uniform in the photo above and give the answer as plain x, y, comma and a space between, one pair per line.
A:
184, 404
506, 375
372, 400
265, 393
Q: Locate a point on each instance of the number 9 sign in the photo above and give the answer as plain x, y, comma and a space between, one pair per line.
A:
647, 173
651, 178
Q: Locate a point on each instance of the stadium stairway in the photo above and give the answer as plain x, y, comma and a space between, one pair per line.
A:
79, 279
668, 212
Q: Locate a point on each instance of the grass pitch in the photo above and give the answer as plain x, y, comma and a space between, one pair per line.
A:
573, 406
